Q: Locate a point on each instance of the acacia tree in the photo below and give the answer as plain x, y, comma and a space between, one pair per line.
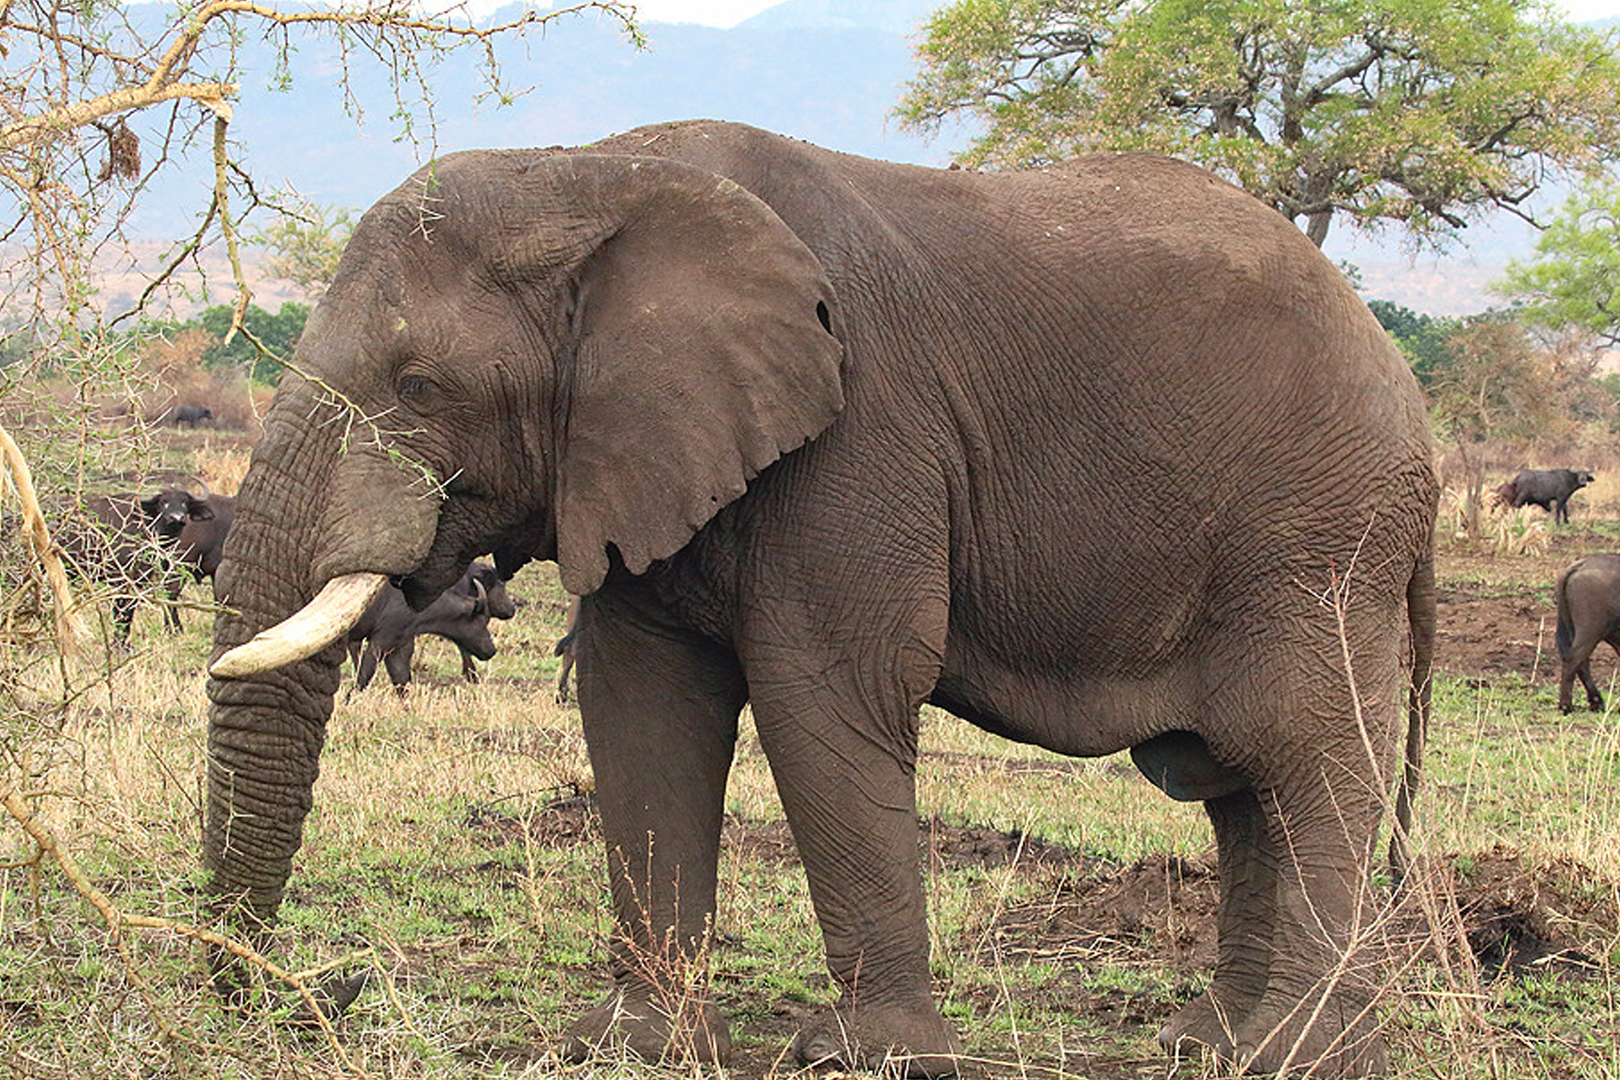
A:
305, 244
1573, 282
72, 165
1424, 113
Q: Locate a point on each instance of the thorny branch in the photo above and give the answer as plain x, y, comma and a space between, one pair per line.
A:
70, 165
117, 919
70, 628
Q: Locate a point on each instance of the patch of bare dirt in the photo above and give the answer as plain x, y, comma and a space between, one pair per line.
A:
1159, 910
1524, 918
1085, 916
569, 817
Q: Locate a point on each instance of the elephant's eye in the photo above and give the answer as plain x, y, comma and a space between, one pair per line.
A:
415, 390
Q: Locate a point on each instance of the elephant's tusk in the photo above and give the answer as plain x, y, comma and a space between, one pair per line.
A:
338, 606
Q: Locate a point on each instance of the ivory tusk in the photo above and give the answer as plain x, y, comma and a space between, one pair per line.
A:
338, 606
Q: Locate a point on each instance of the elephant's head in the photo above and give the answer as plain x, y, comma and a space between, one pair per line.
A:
536, 355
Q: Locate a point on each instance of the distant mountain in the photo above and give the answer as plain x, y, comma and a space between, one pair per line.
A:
813, 69
902, 17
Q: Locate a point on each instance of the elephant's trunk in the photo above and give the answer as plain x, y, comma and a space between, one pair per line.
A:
307, 512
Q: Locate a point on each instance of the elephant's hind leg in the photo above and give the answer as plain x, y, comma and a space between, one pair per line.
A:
1317, 1012
1248, 871
1294, 989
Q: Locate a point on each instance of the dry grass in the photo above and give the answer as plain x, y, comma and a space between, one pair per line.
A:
451, 854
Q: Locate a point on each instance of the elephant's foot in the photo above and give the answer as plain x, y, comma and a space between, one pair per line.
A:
686, 1030
1204, 1024
892, 1040
1342, 1040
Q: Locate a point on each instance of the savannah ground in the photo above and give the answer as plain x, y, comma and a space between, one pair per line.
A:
453, 852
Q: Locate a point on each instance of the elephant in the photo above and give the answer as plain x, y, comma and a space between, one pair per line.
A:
1100, 456
1587, 594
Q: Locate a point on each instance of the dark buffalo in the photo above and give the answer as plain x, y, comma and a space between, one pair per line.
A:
190, 415
1588, 597
199, 546
1549, 489
389, 628
130, 540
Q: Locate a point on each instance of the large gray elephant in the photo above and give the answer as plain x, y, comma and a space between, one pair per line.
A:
1100, 456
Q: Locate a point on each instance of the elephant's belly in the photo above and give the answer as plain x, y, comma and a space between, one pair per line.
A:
1086, 716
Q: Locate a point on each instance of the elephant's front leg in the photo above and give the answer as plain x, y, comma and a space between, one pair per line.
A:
660, 716
842, 748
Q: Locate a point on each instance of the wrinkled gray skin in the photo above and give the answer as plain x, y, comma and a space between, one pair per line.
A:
200, 545
1075, 454
389, 628
1549, 489
133, 544
1588, 598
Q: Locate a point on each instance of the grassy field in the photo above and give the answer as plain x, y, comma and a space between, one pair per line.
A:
453, 853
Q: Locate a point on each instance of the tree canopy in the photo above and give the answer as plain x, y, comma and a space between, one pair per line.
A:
1421, 338
305, 244
1573, 281
1422, 113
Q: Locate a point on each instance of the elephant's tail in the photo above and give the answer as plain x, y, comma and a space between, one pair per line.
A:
1420, 618
1564, 635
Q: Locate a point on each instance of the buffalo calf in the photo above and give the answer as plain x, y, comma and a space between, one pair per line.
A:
1549, 489
389, 628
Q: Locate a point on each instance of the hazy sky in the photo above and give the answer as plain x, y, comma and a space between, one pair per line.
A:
731, 12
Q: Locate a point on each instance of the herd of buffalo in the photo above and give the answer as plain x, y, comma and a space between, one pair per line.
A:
143, 540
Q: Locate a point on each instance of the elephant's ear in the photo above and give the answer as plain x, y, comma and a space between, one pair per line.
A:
703, 351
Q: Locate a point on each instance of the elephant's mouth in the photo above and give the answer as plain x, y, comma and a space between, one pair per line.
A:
323, 620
